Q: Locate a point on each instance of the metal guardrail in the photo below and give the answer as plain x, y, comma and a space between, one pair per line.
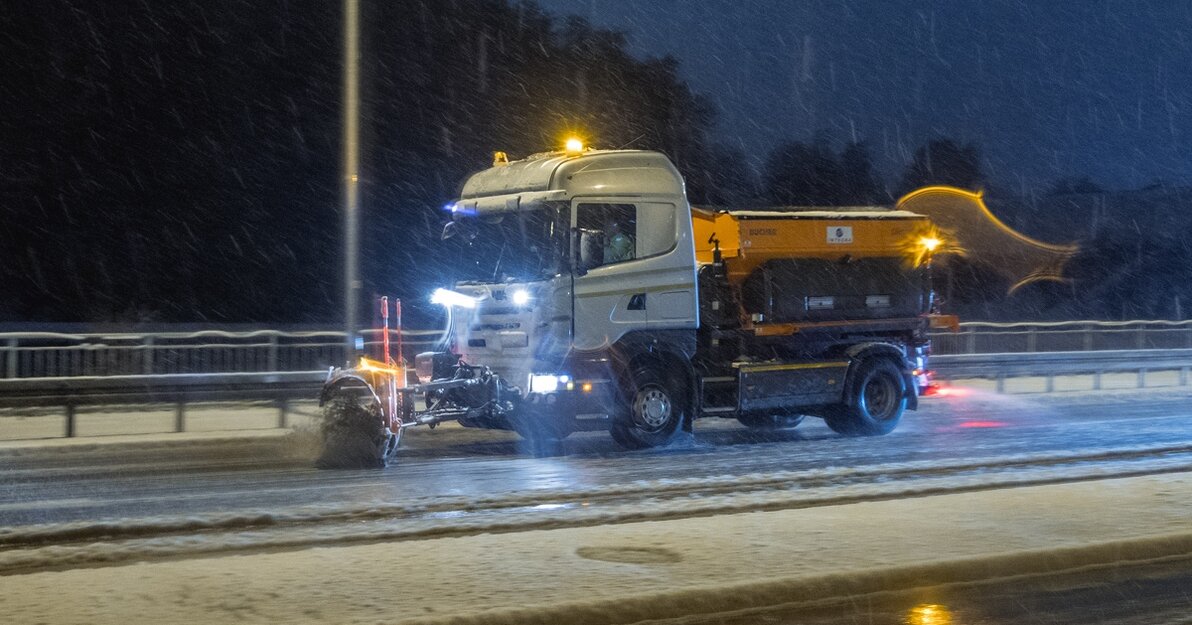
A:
1052, 364
177, 390
53, 354
44, 369
981, 337
282, 387
26, 355
73, 370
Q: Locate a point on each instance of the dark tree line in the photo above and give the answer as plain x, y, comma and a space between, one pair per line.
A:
180, 161
811, 174
814, 174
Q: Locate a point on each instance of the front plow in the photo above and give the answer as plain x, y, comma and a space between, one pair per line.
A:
367, 407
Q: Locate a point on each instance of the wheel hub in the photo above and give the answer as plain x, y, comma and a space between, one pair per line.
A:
652, 407
880, 398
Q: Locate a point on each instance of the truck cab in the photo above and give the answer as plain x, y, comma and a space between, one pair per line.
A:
583, 266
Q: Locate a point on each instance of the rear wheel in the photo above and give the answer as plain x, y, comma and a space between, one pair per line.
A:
770, 420
654, 410
877, 401
353, 431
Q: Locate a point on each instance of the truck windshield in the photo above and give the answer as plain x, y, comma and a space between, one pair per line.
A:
513, 246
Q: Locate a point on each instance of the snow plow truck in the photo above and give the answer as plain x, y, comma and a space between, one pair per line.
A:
594, 297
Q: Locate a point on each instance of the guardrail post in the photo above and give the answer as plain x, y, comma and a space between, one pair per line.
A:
147, 356
70, 420
1032, 340
1001, 382
1096, 380
1088, 338
1050, 388
1183, 376
1141, 378
970, 341
12, 358
180, 416
1140, 337
273, 353
283, 413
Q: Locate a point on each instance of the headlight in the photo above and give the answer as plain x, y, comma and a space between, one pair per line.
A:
447, 297
520, 297
547, 383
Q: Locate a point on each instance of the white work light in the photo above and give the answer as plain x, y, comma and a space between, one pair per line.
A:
447, 297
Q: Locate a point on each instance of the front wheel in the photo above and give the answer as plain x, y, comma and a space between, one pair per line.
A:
655, 409
876, 401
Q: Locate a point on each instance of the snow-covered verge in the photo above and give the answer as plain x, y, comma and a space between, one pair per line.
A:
633, 571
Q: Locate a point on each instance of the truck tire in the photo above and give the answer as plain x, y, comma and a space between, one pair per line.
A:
770, 420
353, 432
876, 400
653, 411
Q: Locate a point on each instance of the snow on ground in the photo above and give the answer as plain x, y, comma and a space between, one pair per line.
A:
736, 492
33, 548
628, 572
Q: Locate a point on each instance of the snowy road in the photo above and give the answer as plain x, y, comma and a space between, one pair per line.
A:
178, 506
106, 484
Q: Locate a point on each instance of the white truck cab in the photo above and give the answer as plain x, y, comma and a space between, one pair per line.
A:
581, 258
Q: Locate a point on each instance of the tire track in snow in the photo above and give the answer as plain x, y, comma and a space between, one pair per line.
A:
33, 548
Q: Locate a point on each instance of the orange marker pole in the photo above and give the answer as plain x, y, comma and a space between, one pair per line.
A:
385, 330
397, 309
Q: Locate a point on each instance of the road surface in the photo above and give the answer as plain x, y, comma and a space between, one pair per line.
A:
97, 506
107, 484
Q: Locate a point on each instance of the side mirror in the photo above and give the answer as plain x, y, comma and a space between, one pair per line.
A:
459, 228
591, 250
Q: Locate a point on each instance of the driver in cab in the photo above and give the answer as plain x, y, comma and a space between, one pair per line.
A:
618, 246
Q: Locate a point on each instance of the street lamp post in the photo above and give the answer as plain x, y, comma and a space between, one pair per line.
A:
351, 171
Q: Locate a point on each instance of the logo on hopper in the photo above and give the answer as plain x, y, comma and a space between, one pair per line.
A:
764, 232
840, 235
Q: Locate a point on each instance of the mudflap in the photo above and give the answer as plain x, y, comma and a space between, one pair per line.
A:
542, 428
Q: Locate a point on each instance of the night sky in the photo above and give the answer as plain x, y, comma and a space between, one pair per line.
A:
179, 161
1045, 89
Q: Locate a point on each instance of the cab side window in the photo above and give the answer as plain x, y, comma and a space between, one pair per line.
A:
615, 225
627, 231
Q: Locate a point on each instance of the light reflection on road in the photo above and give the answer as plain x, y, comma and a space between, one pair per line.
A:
929, 614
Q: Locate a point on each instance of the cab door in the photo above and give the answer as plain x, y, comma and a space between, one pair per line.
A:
640, 270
